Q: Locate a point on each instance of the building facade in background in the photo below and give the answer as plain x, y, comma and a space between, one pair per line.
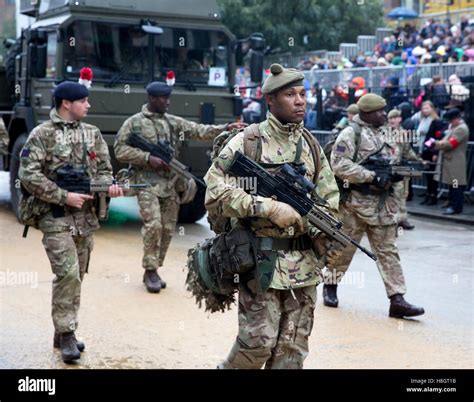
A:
435, 8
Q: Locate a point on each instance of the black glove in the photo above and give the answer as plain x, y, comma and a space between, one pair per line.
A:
396, 178
382, 180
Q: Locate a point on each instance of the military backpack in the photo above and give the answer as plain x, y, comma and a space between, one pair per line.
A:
344, 190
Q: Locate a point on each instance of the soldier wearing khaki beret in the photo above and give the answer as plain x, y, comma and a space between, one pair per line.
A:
369, 204
275, 324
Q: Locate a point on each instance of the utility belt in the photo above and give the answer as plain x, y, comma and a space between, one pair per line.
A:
101, 211
217, 266
151, 175
300, 243
366, 189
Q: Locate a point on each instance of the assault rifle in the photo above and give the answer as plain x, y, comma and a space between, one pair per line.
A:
290, 186
165, 152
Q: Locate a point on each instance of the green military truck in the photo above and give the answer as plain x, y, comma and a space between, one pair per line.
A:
127, 43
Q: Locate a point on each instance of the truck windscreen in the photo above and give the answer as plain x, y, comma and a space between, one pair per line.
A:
121, 52
108, 49
196, 55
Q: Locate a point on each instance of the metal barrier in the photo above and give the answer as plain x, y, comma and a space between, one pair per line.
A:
444, 188
289, 59
376, 77
348, 50
323, 137
330, 106
381, 33
366, 43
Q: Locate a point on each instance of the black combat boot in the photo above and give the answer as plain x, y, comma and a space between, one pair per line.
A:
426, 200
69, 350
57, 342
400, 308
152, 281
433, 200
330, 295
406, 225
163, 283
446, 204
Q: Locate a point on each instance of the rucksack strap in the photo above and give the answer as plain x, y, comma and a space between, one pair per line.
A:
315, 151
253, 147
253, 142
299, 150
357, 132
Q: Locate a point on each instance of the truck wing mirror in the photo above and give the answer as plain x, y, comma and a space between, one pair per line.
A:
256, 66
37, 49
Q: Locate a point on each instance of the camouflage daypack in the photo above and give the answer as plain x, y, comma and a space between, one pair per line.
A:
328, 147
30, 210
343, 190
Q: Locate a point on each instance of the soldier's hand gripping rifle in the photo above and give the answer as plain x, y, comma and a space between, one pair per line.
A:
398, 171
165, 152
291, 187
76, 180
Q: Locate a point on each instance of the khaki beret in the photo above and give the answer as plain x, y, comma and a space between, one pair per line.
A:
371, 103
281, 77
353, 109
394, 113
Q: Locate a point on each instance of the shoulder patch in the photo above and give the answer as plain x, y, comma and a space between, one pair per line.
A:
25, 153
340, 148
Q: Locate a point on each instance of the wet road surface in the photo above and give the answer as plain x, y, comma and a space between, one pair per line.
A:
123, 326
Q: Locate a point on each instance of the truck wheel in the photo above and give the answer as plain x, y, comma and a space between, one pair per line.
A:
10, 67
193, 211
15, 189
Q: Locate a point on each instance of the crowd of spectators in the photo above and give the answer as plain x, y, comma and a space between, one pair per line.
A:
444, 96
434, 42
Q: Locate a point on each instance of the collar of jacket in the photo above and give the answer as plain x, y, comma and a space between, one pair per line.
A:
284, 132
147, 113
57, 119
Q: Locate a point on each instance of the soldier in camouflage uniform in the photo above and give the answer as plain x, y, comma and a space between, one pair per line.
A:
397, 136
68, 240
371, 207
352, 110
274, 325
159, 203
4, 139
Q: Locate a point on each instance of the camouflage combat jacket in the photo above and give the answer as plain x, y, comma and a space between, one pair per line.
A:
154, 127
52, 145
279, 144
366, 206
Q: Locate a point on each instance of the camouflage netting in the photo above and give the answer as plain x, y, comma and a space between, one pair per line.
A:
213, 302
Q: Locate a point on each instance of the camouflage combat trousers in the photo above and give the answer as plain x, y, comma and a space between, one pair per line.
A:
274, 328
69, 258
403, 201
382, 240
159, 221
